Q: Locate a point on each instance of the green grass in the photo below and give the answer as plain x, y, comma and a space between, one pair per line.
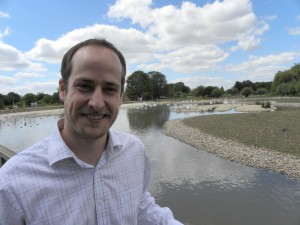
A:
279, 130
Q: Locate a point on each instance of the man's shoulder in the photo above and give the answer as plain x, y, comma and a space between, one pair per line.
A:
28, 158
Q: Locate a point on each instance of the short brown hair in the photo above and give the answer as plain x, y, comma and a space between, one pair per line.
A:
66, 65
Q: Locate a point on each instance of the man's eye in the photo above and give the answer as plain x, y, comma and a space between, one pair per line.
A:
111, 89
84, 87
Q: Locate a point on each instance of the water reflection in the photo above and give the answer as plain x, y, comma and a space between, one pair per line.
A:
200, 188
146, 117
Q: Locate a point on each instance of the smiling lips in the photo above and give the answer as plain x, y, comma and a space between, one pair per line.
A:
94, 116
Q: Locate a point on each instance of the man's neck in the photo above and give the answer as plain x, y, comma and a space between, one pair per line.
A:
87, 150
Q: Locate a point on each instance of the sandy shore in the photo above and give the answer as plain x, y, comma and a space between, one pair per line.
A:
234, 151
49, 112
53, 112
220, 108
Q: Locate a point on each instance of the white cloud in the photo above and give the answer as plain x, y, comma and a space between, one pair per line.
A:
263, 68
28, 75
4, 15
271, 18
294, 31
6, 32
214, 23
12, 59
137, 48
189, 59
5, 80
48, 87
138, 11
183, 39
205, 81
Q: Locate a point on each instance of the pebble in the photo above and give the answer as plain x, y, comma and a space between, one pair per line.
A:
270, 160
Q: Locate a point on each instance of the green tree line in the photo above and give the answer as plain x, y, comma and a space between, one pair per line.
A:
153, 85
14, 99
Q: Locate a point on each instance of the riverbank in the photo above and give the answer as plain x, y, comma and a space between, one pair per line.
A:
232, 150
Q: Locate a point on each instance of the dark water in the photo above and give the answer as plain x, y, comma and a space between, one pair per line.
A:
200, 188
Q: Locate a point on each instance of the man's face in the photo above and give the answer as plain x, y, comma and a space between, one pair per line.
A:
93, 96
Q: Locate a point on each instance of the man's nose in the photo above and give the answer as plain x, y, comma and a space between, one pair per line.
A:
96, 100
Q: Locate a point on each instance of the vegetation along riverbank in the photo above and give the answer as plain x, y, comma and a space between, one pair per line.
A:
269, 140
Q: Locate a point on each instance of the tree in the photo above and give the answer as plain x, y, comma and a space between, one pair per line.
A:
29, 98
238, 85
286, 77
40, 96
217, 92
12, 98
55, 98
170, 90
247, 91
198, 91
233, 91
137, 84
158, 84
282, 89
262, 91
207, 91
1, 104
47, 99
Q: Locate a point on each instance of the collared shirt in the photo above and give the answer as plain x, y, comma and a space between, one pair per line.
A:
48, 184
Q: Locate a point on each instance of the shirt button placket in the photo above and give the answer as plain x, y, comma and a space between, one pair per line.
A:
99, 199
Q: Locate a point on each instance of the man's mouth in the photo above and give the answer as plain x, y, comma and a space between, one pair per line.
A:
94, 116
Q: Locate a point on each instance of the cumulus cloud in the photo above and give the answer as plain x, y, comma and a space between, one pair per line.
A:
138, 11
184, 38
28, 75
12, 59
196, 81
5, 80
263, 68
181, 33
137, 48
4, 15
47, 87
6, 32
189, 59
214, 23
294, 31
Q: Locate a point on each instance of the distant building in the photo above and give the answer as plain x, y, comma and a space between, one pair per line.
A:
33, 104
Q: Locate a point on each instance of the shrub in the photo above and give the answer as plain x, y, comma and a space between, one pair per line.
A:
266, 104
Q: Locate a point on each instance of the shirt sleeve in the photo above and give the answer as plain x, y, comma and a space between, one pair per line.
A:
10, 210
151, 213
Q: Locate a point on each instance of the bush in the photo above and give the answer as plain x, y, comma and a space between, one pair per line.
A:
266, 104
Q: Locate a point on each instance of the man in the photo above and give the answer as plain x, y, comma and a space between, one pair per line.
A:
84, 172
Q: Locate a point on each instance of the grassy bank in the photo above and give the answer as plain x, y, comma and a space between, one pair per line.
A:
279, 130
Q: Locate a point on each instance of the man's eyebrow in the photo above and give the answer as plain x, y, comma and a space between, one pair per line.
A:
84, 80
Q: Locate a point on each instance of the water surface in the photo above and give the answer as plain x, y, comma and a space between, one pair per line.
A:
200, 188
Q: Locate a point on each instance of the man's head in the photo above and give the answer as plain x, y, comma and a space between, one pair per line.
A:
92, 88
66, 65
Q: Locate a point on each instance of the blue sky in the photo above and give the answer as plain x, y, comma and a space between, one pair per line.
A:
196, 42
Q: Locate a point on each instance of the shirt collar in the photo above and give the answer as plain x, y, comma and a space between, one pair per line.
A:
58, 150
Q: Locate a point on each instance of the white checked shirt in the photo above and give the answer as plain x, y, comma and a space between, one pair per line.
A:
48, 184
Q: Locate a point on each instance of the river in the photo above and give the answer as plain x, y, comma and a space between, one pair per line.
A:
200, 188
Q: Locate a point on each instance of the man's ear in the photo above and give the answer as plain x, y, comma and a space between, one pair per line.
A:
61, 89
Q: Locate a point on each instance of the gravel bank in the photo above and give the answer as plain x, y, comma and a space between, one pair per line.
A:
234, 151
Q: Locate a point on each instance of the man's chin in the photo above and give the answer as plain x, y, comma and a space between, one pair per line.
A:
92, 134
